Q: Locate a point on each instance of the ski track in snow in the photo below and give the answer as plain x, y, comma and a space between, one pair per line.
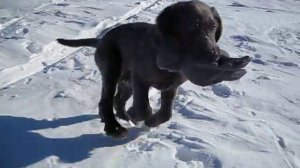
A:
49, 97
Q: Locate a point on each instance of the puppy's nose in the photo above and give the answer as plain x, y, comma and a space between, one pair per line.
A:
215, 53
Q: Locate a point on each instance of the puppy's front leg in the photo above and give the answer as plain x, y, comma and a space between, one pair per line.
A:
165, 112
141, 109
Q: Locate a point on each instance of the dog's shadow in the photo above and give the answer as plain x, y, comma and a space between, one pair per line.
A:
20, 147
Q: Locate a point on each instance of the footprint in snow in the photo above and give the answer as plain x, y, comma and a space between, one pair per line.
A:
263, 78
281, 142
52, 68
187, 141
60, 94
28, 81
78, 64
197, 158
258, 61
236, 4
145, 146
88, 51
244, 42
22, 31
194, 114
221, 90
13, 97
190, 150
60, 14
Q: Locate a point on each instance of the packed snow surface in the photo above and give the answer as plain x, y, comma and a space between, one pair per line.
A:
49, 93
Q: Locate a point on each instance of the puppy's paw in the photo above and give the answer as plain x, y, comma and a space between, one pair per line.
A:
153, 121
136, 115
158, 118
115, 130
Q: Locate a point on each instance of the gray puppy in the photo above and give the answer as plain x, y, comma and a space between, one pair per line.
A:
133, 57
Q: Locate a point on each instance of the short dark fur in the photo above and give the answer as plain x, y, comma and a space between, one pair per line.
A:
136, 56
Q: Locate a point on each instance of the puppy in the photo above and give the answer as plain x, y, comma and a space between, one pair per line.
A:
133, 57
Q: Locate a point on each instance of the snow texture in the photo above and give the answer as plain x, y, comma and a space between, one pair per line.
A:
49, 93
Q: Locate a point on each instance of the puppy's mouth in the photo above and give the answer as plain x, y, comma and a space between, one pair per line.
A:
225, 69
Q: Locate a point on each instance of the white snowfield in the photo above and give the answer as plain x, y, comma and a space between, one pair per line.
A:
49, 93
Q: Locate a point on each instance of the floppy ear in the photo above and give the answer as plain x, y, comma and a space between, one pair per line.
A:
219, 21
168, 46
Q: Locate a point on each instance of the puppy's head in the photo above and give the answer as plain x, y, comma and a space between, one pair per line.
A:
188, 35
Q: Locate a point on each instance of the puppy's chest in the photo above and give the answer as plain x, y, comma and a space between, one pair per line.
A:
162, 85
168, 82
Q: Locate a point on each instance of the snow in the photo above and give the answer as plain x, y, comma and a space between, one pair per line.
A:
49, 93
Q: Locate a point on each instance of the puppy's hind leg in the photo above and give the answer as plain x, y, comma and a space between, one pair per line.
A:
110, 69
123, 94
165, 112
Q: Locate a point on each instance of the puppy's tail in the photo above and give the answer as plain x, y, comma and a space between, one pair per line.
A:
89, 42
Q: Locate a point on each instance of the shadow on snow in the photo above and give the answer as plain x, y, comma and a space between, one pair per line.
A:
20, 147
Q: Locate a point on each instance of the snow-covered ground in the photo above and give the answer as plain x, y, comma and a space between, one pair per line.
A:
48, 109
